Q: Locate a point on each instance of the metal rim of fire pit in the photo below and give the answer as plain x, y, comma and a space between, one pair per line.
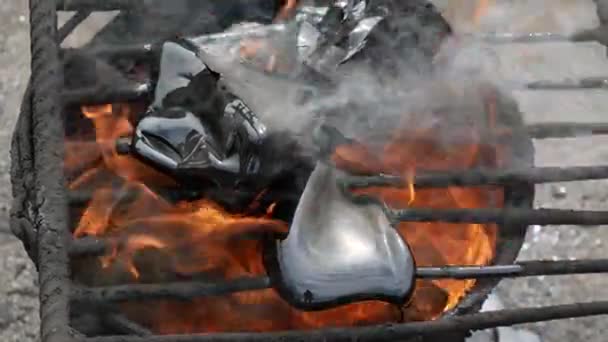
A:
37, 163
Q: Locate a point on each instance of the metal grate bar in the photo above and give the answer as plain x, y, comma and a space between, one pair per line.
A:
532, 37
392, 332
122, 324
96, 5
90, 246
48, 197
480, 177
583, 83
592, 35
106, 94
190, 290
179, 291
505, 217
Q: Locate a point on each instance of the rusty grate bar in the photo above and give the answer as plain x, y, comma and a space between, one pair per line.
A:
566, 129
190, 290
88, 246
71, 24
133, 52
536, 175
391, 332
107, 94
501, 216
518, 269
179, 291
96, 5
91, 246
120, 323
583, 83
49, 201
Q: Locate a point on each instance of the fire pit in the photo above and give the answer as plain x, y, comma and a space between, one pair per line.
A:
142, 236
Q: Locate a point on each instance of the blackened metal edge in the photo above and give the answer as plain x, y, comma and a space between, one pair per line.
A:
50, 207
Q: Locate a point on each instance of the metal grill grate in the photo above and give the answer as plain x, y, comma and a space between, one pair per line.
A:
51, 203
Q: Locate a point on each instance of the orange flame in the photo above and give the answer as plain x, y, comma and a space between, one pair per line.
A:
433, 244
153, 239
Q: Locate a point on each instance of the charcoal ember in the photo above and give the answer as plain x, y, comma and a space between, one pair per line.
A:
389, 35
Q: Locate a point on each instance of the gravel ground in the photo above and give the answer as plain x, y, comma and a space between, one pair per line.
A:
18, 293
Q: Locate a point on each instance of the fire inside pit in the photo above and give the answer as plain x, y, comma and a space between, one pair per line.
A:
155, 238
163, 227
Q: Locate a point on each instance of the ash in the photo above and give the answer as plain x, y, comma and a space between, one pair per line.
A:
18, 293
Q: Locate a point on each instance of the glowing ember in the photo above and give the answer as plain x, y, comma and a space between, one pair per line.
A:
155, 240
432, 244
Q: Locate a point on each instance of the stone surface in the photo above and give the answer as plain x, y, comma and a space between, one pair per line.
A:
18, 295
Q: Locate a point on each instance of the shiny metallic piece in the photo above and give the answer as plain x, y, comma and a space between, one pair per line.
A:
326, 58
353, 9
583, 83
181, 133
358, 36
257, 31
176, 64
310, 14
308, 39
181, 142
329, 60
337, 251
239, 114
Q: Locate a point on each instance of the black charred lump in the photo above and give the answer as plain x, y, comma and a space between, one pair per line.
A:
200, 133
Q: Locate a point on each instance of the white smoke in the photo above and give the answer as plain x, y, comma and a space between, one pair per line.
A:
462, 68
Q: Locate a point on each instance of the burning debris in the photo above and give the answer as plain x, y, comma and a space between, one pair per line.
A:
251, 207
